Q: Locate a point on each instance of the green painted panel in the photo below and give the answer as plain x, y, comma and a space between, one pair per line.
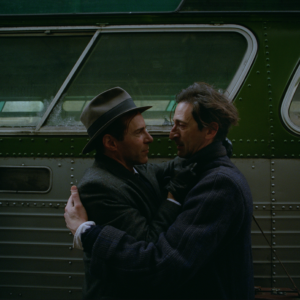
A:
69, 147
85, 6
236, 5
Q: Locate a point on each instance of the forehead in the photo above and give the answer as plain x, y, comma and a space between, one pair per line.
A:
183, 112
136, 123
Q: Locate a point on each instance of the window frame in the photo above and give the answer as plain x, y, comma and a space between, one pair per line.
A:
287, 100
231, 91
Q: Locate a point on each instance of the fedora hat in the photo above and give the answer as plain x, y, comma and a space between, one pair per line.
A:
103, 110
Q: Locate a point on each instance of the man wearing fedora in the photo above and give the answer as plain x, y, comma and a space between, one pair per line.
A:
120, 189
206, 253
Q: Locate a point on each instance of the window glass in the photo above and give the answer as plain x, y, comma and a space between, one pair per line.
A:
152, 68
33, 68
25, 179
294, 109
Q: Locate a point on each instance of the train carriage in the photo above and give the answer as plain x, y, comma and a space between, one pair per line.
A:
56, 56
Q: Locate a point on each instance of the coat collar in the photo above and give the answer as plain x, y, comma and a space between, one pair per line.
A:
207, 154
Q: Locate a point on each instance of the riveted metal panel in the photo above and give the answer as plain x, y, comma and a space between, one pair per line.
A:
257, 173
287, 188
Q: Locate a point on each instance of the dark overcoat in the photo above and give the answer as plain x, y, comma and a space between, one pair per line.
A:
137, 204
205, 253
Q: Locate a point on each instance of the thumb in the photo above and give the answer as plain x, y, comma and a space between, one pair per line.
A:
75, 195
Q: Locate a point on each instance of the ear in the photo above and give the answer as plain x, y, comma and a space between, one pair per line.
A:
212, 130
109, 143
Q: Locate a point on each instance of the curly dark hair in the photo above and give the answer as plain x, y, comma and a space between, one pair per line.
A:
209, 106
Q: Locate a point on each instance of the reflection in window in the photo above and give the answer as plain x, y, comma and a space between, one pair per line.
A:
32, 72
153, 68
294, 109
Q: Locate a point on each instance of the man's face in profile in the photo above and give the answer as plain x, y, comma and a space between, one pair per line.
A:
185, 132
134, 148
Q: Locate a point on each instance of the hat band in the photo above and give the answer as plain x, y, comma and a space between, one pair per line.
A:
101, 121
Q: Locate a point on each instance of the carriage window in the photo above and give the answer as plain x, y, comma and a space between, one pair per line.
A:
25, 179
153, 67
33, 69
290, 109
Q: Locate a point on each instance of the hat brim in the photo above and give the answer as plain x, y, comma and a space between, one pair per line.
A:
91, 143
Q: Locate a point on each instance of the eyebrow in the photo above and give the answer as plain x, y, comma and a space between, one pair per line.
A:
178, 120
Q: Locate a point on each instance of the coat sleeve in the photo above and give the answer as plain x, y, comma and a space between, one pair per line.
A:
212, 215
107, 206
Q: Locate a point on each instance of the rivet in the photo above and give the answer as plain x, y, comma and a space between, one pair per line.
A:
257, 72
272, 170
285, 141
0, 203
274, 229
70, 277
61, 140
273, 177
249, 85
70, 248
72, 169
22, 203
273, 200
273, 207
283, 207
57, 204
43, 204
20, 140
274, 236
274, 221
274, 257
256, 207
72, 140
266, 40
268, 72
20, 295
52, 154
264, 207
158, 140
72, 147
158, 154
72, 183
291, 207
253, 167
274, 273
292, 141
59, 165
273, 163
262, 141
70, 233
274, 214
70, 261
273, 192
269, 85
34, 204
240, 99
273, 184
72, 176
274, 266
298, 207
46, 140
274, 250
255, 141
45, 153
27, 204
50, 204
72, 161
274, 280
70, 292
241, 140
14, 203
263, 155
241, 155
66, 154
169, 140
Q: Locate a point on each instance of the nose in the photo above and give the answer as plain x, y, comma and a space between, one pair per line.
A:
173, 133
149, 138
